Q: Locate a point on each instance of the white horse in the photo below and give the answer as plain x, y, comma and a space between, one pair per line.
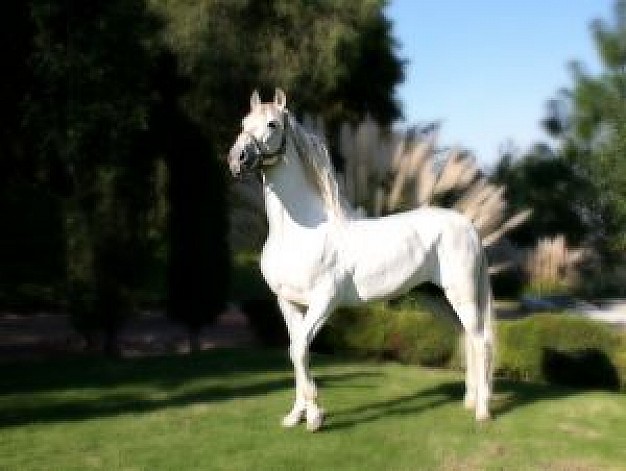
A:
319, 255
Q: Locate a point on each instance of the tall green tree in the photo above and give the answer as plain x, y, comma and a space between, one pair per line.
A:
31, 242
16, 31
334, 58
593, 126
561, 198
198, 269
89, 109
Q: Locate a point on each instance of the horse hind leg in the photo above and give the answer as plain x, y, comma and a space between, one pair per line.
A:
477, 358
469, 401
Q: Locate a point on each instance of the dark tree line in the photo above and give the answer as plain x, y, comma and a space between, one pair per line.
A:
114, 115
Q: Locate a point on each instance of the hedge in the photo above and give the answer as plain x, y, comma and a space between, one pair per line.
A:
564, 349
556, 348
407, 332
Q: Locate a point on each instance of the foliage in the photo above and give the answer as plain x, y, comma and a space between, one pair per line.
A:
316, 51
593, 129
198, 255
552, 267
559, 195
414, 331
16, 30
561, 348
89, 109
555, 348
162, 413
111, 140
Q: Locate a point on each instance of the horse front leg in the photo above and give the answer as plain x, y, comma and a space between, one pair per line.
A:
316, 315
294, 317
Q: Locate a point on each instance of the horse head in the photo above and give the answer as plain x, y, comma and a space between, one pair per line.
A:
263, 137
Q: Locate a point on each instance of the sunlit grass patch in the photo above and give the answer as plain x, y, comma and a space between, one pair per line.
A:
221, 410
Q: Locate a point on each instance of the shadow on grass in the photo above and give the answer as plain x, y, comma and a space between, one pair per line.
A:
167, 371
85, 388
409, 404
509, 396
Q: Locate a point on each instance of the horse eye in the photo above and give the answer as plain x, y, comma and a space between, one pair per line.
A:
272, 124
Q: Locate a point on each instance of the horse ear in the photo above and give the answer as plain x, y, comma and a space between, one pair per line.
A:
280, 99
255, 100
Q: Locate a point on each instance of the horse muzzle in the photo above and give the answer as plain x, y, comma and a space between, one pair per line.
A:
243, 159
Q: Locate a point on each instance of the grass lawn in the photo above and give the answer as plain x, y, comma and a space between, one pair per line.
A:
221, 410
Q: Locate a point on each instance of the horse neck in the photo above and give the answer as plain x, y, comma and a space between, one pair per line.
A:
291, 199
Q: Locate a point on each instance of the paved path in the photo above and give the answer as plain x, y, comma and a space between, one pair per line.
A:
24, 336
612, 312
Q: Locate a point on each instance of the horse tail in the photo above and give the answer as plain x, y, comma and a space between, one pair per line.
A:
486, 311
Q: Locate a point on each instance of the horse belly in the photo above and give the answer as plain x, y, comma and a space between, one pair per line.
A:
387, 266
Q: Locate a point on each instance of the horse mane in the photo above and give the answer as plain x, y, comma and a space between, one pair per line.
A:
316, 159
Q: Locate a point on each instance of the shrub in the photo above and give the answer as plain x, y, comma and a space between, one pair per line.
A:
561, 348
421, 338
361, 331
552, 266
408, 332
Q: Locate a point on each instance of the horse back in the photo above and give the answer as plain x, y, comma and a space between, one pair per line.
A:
388, 256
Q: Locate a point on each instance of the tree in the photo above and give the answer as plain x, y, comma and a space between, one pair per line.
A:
92, 64
557, 194
31, 260
16, 31
336, 58
198, 270
593, 131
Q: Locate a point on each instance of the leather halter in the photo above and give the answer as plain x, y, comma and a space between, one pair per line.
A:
268, 158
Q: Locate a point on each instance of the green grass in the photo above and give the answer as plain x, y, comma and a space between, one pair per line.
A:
221, 410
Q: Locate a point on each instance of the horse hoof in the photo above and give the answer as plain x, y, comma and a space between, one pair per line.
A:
482, 417
314, 421
469, 403
292, 419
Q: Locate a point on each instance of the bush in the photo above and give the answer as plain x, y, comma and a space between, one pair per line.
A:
555, 348
407, 332
561, 348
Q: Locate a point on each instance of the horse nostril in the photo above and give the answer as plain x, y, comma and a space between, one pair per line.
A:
243, 157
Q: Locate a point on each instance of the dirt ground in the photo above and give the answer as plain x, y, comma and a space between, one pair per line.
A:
43, 334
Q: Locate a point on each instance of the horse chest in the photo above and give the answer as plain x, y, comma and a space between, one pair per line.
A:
294, 266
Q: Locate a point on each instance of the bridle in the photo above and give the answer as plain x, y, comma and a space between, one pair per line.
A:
267, 157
